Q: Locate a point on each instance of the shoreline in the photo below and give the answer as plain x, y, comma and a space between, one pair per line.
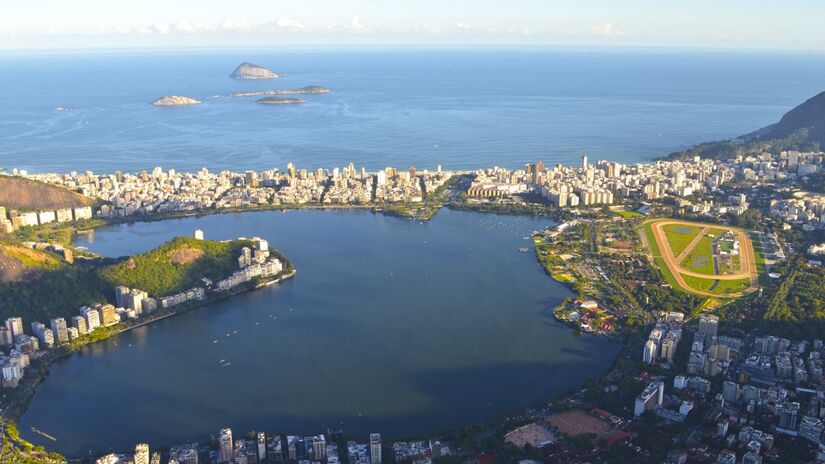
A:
18, 406
44, 370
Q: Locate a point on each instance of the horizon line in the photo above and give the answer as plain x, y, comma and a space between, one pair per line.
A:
412, 46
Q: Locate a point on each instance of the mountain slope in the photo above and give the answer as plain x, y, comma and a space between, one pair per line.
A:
802, 128
803, 125
26, 194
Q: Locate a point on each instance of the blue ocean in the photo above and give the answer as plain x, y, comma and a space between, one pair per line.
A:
461, 109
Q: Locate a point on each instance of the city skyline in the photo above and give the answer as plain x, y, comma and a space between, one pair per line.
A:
639, 23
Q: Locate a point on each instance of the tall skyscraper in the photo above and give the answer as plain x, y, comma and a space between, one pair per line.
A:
15, 326
650, 398
225, 445
584, 162
59, 329
142, 453
375, 448
649, 352
708, 325
79, 323
261, 446
668, 349
730, 390
319, 447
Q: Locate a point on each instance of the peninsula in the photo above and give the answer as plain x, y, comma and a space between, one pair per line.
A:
249, 71
175, 100
95, 298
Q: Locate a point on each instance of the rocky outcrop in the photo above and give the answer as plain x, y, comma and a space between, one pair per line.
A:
279, 101
175, 100
249, 71
310, 89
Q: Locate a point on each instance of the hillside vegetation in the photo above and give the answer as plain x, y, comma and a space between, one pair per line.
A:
805, 125
27, 194
59, 290
18, 263
176, 265
796, 308
802, 128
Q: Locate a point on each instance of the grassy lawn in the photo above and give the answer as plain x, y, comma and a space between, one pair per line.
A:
700, 259
699, 283
727, 287
759, 257
629, 214
724, 287
657, 256
680, 236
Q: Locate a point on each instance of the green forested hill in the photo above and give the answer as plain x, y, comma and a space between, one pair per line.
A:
802, 128
176, 265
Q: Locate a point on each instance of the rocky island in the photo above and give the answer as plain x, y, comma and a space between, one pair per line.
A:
175, 100
310, 89
280, 101
249, 71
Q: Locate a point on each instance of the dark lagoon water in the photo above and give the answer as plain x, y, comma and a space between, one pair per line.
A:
463, 109
390, 325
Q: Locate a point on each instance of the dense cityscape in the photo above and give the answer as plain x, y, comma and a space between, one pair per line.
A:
602, 183
332, 232
767, 385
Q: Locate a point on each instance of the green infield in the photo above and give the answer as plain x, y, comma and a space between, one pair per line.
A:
684, 252
700, 258
679, 236
717, 287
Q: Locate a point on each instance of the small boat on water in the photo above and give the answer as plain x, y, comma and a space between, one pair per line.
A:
524, 250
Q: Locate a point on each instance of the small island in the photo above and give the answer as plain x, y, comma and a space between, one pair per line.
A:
249, 71
308, 90
175, 100
280, 101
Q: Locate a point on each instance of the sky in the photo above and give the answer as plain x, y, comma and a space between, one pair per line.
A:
730, 24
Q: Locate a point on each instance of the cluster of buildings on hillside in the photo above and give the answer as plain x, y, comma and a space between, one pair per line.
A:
805, 209
267, 448
11, 220
160, 191
132, 303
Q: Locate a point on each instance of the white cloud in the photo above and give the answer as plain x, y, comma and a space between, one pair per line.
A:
191, 27
234, 25
284, 25
355, 24
606, 29
277, 25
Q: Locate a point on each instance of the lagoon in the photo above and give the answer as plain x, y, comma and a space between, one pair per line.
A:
390, 326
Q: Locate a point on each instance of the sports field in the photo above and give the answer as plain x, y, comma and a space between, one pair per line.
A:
704, 259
